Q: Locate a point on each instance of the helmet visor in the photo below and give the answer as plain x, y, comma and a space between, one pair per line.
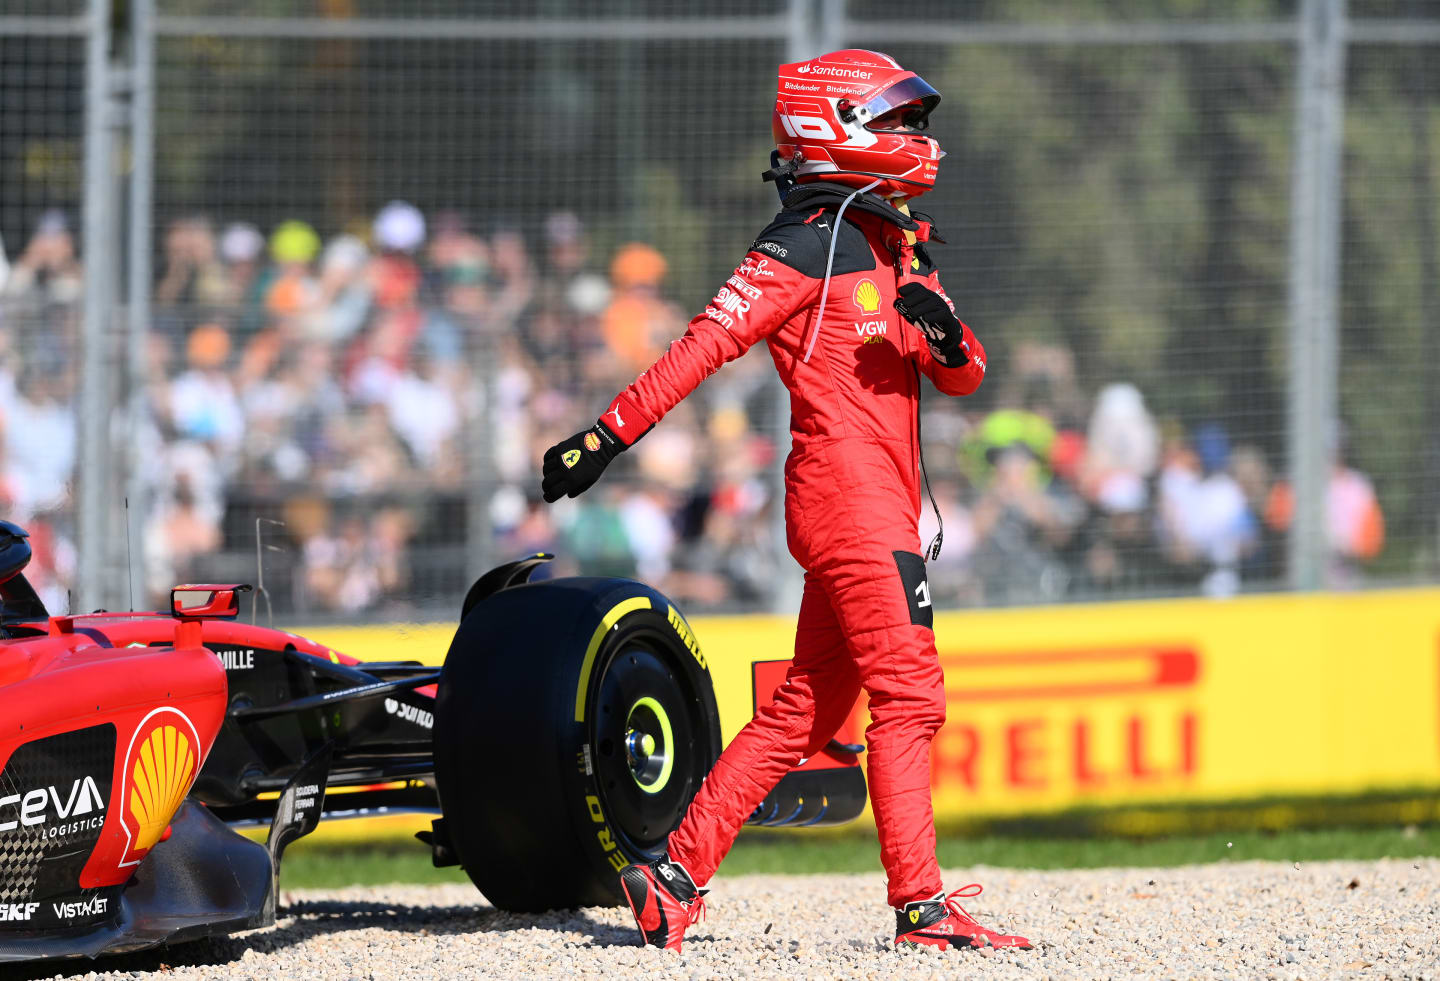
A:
913, 94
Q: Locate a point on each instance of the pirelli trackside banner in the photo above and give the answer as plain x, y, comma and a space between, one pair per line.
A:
1130, 703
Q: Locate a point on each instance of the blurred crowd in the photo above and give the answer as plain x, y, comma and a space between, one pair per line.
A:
385, 395
1056, 495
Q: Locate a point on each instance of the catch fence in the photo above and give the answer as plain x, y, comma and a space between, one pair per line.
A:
340, 270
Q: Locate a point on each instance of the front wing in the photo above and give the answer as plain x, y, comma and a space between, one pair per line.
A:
206, 881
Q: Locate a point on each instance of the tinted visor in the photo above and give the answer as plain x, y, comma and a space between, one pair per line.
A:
903, 93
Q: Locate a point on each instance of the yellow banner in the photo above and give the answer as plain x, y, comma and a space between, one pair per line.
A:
1127, 703
1183, 700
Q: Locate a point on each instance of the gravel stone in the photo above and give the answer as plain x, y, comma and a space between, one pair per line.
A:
1251, 919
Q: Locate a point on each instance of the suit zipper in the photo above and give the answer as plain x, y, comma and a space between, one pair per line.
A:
932, 551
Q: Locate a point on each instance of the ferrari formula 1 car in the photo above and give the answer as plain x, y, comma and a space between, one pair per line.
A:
571, 724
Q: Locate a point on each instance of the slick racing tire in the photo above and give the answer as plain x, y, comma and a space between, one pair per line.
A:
575, 721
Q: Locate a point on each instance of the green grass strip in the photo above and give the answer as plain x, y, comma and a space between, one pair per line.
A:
777, 852
322, 866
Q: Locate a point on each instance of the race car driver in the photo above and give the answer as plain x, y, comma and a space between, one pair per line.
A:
818, 286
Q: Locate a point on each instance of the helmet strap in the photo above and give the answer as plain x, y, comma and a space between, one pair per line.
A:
906, 265
904, 209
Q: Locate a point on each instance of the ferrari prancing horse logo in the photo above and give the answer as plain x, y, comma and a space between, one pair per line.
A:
570, 458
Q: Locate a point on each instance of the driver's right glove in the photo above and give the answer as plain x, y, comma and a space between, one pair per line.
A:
572, 465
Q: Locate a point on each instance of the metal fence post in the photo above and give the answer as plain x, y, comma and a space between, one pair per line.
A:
1315, 280
833, 30
803, 40
142, 176
480, 462
92, 462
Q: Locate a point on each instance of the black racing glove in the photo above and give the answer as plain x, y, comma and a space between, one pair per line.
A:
571, 466
928, 310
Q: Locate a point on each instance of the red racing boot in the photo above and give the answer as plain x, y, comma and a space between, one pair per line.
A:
942, 922
664, 899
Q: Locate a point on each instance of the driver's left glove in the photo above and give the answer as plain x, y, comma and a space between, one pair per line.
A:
928, 310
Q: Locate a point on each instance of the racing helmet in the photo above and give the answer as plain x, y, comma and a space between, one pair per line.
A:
828, 123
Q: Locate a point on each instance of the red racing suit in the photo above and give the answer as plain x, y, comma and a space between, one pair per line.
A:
852, 505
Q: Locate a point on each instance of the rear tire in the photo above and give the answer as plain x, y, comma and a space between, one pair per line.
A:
575, 721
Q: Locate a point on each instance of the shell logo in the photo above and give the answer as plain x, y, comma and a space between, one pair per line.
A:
866, 296
160, 766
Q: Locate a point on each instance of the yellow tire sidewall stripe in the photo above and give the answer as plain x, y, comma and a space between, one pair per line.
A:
608, 621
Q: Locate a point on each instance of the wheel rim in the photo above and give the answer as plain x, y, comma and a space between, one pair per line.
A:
648, 746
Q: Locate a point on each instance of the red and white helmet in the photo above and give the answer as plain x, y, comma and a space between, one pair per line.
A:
825, 114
